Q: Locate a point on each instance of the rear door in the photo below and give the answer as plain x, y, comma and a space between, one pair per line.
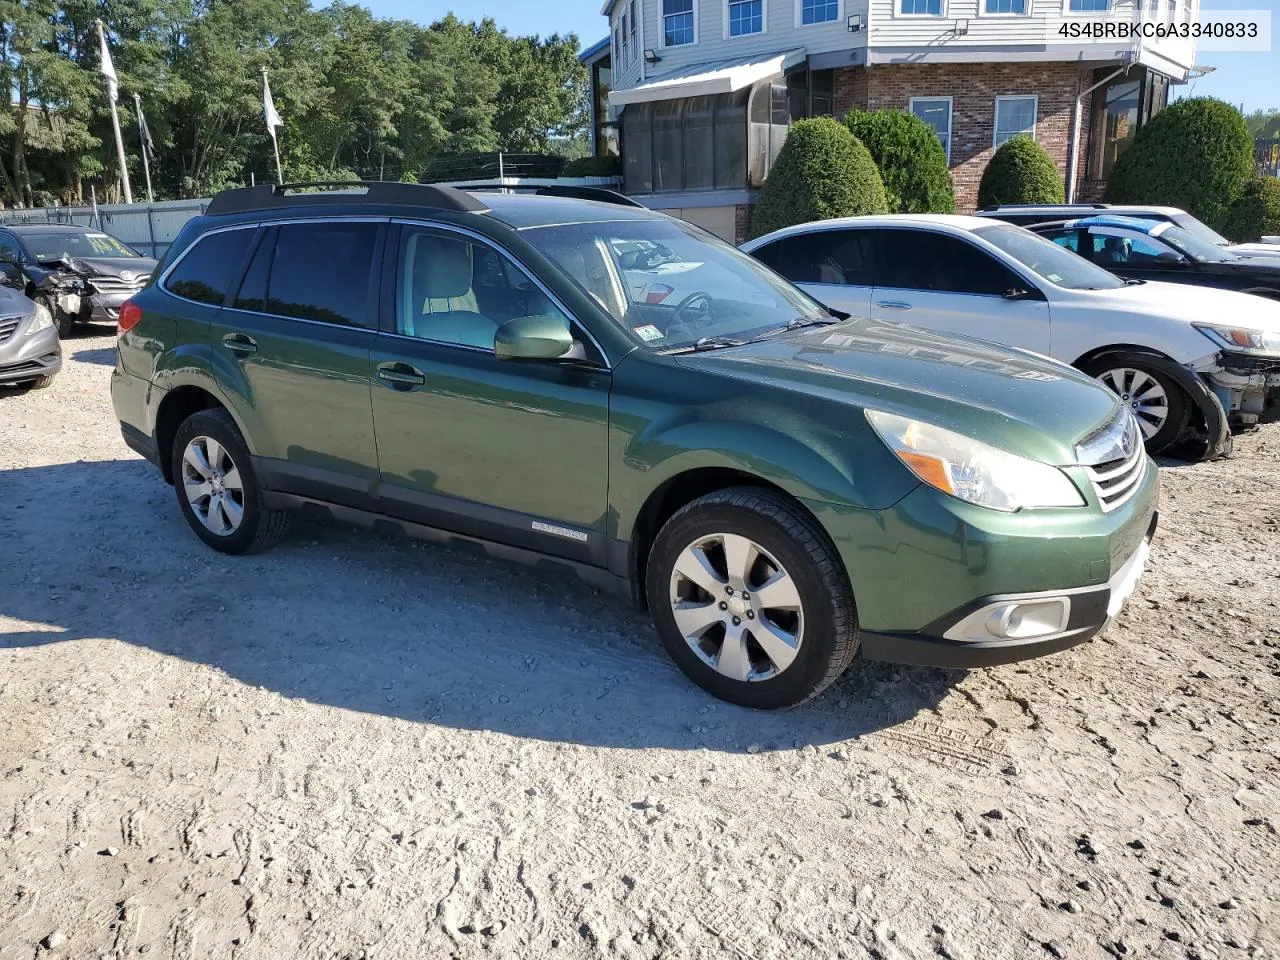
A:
832, 266
946, 283
292, 352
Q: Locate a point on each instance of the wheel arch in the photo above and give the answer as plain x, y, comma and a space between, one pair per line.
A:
178, 404
1098, 353
679, 490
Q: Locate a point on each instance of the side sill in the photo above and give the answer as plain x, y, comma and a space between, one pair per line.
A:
594, 576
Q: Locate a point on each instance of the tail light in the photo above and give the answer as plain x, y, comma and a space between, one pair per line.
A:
130, 315
658, 292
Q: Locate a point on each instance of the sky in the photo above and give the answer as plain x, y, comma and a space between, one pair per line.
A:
1251, 80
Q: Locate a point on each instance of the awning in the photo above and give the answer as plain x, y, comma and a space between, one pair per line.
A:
722, 76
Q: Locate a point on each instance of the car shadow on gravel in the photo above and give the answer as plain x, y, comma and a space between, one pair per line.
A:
104, 355
385, 625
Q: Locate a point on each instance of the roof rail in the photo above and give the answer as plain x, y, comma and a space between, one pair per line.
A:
571, 191
272, 196
1022, 206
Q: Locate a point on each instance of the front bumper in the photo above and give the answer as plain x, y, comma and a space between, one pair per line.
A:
103, 307
25, 358
922, 569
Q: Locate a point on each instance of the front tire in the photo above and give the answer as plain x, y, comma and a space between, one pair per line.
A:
65, 322
750, 599
1161, 407
217, 489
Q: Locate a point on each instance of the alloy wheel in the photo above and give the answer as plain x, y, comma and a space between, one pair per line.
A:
737, 607
1143, 394
211, 481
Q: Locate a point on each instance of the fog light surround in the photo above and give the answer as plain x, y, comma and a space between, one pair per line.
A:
1012, 620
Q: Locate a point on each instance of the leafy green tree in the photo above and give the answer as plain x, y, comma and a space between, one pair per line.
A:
1264, 124
910, 157
1255, 213
1195, 154
1020, 172
822, 171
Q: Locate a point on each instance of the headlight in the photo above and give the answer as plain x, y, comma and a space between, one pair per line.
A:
43, 320
1241, 338
971, 470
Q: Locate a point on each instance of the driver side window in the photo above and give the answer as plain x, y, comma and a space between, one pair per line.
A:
1108, 250
455, 291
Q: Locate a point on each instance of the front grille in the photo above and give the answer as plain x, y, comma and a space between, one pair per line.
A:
113, 285
8, 327
1116, 481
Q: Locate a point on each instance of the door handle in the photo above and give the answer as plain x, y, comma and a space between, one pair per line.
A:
401, 376
893, 304
239, 343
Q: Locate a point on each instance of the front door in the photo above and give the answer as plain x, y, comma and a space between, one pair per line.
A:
944, 283
293, 355
515, 452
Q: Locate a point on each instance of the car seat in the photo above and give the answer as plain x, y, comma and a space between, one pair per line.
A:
442, 298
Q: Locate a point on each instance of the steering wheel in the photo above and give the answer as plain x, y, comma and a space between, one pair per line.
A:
696, 305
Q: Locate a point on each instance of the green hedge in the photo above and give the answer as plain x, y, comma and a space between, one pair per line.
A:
822, 171
1195, 154
910, 157
1020, 172
1255, 213
604, 165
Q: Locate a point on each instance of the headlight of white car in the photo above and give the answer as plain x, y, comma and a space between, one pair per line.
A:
971, 470
1241, 338
42, 321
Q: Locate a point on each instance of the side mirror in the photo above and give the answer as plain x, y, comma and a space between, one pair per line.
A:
535, 338
1169, 256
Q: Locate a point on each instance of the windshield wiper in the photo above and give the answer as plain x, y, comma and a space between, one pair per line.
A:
797, 324
705, 343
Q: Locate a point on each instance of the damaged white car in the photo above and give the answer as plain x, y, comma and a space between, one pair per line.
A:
1191, 362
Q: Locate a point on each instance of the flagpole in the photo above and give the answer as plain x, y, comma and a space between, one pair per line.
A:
115, 124
146, 164
275, 147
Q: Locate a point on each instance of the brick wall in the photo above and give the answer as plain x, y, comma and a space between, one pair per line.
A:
973, 88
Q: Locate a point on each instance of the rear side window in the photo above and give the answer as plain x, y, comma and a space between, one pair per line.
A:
921, 260
207, 271
322, 271
824, 256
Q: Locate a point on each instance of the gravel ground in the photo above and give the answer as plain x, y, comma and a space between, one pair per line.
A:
358, 746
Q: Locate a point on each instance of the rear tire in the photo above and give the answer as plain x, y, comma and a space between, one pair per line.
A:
1161, 407
750, 599
217, 489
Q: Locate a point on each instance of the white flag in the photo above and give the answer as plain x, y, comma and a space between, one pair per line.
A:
107, 68
269, 108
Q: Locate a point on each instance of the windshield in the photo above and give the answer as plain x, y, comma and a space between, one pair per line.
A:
671, 285
1046, 259
54, 246
1194, 246
1194, 227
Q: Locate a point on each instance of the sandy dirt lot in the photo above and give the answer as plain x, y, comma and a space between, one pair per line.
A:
357, 746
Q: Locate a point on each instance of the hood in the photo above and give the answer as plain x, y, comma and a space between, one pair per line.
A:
13, 303
116, 266
1018, 401
1257, 251
1194, 304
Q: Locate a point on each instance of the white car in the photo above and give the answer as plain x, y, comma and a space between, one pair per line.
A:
1190, 361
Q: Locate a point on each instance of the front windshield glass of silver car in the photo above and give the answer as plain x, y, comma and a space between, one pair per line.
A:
1191, 245
673, 286
1046, 259
1193, 226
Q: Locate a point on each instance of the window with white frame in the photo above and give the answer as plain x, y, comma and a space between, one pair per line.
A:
936, 112
635, 26
1011, 7
819, 11
1089, 6
745, 17
626, 49
1015, 116
922, 8
677, 22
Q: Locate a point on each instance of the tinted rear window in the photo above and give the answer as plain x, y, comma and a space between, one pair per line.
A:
321, 271
209, 268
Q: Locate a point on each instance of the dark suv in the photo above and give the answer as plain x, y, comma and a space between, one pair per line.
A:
779, 484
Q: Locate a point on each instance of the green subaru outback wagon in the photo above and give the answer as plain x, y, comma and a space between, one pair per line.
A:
608, 391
